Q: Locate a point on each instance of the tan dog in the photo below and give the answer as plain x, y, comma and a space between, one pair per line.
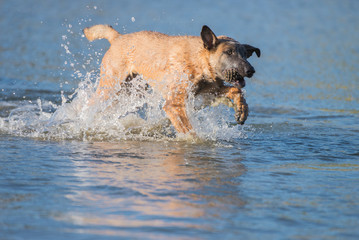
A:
176, 65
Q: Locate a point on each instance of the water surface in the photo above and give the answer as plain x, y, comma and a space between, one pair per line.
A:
291, 172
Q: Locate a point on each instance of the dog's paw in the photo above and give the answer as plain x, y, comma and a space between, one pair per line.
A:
242, 113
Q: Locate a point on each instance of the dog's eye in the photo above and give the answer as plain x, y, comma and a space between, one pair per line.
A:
229, 52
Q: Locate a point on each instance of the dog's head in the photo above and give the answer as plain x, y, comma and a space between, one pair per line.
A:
228, 57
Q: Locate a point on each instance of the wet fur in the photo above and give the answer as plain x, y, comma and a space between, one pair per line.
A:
174, 66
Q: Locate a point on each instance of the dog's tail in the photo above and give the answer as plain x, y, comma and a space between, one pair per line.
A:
101, 31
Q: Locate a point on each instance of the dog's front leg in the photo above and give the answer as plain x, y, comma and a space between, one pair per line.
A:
175, 109
240, 105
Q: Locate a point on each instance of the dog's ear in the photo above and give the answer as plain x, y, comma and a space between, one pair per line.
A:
250, 49
209, 39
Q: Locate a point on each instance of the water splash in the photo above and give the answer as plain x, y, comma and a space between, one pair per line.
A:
135, 116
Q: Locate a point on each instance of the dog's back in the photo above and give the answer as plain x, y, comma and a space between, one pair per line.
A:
151, 54
175, 66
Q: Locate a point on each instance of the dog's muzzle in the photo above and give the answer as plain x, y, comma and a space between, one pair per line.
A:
232, 76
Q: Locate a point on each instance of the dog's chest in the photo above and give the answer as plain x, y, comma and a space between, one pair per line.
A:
207, 86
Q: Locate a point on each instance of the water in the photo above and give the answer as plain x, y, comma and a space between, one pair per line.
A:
109, 172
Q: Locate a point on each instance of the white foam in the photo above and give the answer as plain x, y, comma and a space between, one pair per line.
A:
136, 116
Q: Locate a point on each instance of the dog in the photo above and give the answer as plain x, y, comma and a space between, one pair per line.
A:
205, 65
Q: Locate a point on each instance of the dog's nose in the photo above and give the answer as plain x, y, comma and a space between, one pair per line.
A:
250, 72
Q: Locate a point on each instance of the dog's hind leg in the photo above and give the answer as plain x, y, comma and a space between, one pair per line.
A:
111, 78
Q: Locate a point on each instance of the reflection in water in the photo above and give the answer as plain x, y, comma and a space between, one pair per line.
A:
299, 146
134, 184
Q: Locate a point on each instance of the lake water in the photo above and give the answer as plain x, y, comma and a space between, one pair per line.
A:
72, 172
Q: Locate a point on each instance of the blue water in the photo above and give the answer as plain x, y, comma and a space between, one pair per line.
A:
291, 172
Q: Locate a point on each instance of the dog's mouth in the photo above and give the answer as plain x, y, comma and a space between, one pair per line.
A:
232, 76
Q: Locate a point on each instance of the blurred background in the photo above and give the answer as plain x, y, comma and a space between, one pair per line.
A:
291, 172
309, 48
